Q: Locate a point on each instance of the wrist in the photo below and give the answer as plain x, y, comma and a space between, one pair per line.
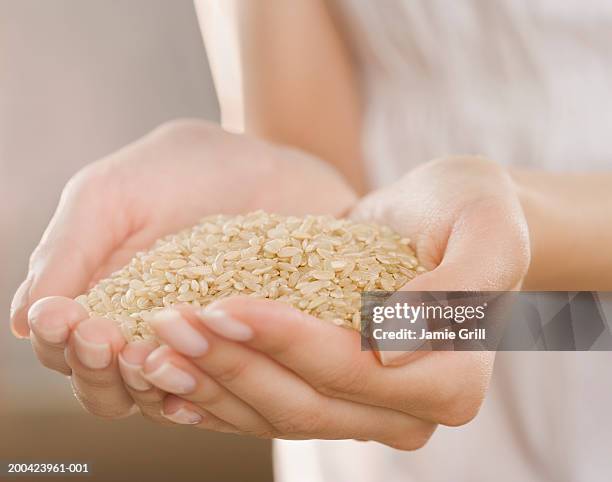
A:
561, 219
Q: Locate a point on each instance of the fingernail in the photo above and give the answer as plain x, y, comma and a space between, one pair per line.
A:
396, 358
172, 379
177, 332
93, 355
395, 353
19, 303
224, 325
183, 417
132, 375
48, 332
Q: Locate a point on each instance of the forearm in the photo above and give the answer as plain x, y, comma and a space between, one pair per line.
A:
283, 73
569, 217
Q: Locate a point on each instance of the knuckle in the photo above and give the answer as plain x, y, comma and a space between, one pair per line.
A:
306, 421
457, 407
460, 401
55, 365
105, 412
150, 400
341, 381
462, 412
97, 407
218, 426
98, 380
232, 372
51, 357
413, 439
410, 443
213, 396
36, 254
85, 182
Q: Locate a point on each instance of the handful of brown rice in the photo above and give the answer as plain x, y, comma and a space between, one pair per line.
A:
318, 264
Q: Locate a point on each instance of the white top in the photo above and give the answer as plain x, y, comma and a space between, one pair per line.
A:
526, 83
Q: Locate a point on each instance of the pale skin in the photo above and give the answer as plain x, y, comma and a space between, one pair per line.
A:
120, 205
209, 371
318, 79
470, 220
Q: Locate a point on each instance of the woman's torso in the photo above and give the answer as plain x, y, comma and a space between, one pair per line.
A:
525, 83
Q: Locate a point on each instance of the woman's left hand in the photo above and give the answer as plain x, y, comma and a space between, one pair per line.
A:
266, 369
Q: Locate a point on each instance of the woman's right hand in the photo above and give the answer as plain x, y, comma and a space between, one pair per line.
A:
120, 205
466, 222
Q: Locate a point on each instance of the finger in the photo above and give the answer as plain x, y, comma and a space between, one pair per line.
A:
474, 238
291, 406
50, 356
92, 354
442, 387
400, 436
147, 397
51, 320
476, 257
73, 234
183, 412
170, 371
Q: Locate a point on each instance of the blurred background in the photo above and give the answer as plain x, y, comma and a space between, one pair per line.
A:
79, 79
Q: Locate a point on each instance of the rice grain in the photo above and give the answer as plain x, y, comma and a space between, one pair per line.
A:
318, 264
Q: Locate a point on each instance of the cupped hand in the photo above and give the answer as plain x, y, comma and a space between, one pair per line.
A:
270, 370
120, 205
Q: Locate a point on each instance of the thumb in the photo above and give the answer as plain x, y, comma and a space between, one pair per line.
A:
78, 239
487, 250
